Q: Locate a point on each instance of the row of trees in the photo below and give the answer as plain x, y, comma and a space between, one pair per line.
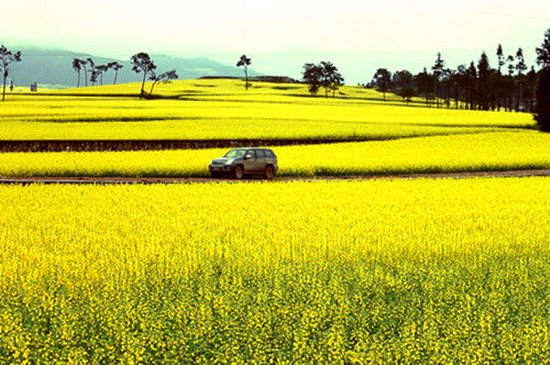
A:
473, 86
324, 75
95, 72
140, 62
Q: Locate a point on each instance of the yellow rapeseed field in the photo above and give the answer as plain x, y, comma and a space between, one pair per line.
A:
437, 271
419, 271
213, 109
466, 152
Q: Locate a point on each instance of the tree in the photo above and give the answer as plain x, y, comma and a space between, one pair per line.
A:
331, 79
115, 66
7, 57
93, 71
438, 70
77, 67
511, 66
245, 62
313, 76
542, 115
94, 74
382, 79
141, 62
500, 56
101, 69
404, 84
327, 69
543, 52
336, 81
472, 83
531, 81
483, 71
520, 67
83, 64
425, 84
543, 93
165, 78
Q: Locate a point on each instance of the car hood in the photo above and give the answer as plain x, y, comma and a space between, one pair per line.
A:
222, 160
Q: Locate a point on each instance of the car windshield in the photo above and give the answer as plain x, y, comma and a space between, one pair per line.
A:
234, 154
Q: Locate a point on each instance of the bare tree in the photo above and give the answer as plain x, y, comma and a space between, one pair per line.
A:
163, 78
7, 57
141, 62
245, 62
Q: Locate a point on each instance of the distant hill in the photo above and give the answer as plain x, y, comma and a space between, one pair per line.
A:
52, 68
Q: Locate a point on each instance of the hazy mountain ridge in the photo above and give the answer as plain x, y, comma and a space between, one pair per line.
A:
53, 67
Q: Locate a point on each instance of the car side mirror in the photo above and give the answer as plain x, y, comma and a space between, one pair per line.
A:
247, 157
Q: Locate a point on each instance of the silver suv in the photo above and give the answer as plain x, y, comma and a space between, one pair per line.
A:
245, 161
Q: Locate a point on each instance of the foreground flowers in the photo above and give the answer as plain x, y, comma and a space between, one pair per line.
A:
389, 271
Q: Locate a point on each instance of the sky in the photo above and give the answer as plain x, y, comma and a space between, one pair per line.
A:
281, 35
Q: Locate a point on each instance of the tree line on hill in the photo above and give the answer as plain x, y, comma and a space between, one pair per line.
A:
477, 86
95, 72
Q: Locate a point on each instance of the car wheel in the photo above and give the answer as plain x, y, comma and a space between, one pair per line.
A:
238, 172
269, 172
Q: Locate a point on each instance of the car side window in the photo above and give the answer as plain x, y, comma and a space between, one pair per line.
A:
269, 154
260, 153
251, 154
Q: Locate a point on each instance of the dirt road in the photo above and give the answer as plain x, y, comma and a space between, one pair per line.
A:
192, 180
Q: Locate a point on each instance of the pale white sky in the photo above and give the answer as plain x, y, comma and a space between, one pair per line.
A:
298, 30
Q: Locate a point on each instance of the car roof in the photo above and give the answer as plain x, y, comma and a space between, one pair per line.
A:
250, 148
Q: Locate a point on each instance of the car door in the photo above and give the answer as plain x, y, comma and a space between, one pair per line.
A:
262, 160
250, 163
271, 159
